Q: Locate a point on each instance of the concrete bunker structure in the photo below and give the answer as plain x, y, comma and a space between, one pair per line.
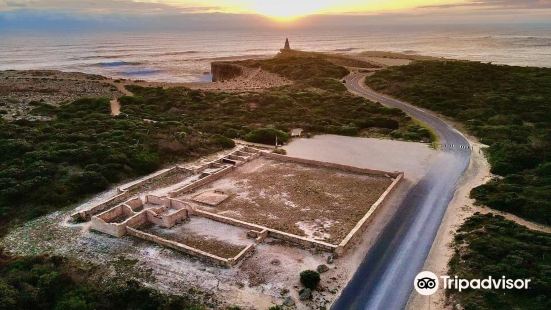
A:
130, 210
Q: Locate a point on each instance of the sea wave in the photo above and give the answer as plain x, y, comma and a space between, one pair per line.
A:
118, 63
178, 53
141, 72
347, 49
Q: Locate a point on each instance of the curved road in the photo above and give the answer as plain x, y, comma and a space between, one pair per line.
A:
384, 279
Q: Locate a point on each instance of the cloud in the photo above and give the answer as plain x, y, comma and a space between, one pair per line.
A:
494, 5
104, 6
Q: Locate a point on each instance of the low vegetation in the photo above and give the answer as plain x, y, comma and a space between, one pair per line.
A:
239, 115
42, 282
507, 108
267, 136
47, 165
488, 245
300, 66
308, 69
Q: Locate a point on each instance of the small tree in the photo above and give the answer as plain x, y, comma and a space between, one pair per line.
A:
310, 278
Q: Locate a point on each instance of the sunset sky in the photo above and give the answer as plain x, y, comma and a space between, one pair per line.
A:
18, 12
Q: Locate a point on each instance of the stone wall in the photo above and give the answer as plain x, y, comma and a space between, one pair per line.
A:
249, 250
223, 71
156, 177
178, 204
137, 220
181, 247
362, 223
113, 229
208, 179
302, 241
126, 192
156, 200
329, 165
85, 215
135, 203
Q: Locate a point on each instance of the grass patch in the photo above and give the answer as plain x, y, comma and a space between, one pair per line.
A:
44, 282
489, 245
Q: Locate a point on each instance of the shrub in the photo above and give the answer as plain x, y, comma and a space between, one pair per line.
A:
145, 162
267, 136
280, 151
310, 278
223, 142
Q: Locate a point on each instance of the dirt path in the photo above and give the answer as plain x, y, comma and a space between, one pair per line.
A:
516, 219
114, 103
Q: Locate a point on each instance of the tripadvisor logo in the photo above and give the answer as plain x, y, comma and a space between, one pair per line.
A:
427, 283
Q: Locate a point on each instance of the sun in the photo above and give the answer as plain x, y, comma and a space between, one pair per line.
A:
287, 10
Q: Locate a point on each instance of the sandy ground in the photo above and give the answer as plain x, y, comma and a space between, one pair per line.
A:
21, 90
304, 200
201, 233
388, 155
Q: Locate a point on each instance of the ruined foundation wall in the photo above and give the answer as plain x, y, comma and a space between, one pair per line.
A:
113, 229
155, 178
208, 179
227, 220
302, 241
249, 250
329, 165
366, 219
178, 204
156, 200
172, 219
135, 203
105, 205
180, 247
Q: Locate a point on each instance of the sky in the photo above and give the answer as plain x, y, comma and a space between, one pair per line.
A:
279, 13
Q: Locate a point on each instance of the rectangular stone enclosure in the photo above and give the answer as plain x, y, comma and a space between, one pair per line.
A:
305, 202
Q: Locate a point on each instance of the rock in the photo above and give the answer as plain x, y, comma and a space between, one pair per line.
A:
330, 259
305, 294
322, 268
275, 262
288, 302
284, 291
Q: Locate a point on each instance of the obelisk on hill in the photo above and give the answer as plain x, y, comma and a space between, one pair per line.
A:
287, 47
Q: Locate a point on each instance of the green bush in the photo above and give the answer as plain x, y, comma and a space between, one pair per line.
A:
267, 136
223, 142
280, 151
42, 282
488, 245
145, 162
310, 279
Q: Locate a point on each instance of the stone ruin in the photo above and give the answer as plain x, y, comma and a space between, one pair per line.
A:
133, 207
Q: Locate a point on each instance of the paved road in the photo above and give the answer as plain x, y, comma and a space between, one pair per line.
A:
384, 280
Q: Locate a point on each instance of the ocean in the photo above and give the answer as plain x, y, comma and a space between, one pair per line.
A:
185, 56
